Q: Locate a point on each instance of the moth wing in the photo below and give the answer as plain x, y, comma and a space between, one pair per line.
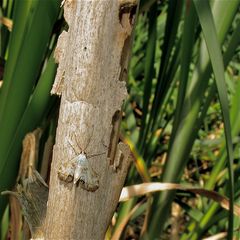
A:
87, 177
66, 171
92, 183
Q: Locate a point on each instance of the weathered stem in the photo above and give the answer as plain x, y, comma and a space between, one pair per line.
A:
93, 59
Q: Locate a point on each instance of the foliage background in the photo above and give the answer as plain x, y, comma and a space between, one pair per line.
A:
183, 94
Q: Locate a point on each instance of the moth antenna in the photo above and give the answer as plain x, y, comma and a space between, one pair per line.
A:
76, 152
89, 139
94, 155
79, 147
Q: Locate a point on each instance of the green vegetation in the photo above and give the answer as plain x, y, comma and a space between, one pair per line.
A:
181, 119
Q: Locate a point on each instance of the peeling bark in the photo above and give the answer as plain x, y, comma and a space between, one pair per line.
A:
93, 60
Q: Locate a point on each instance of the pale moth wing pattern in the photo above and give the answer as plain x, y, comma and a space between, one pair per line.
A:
78, 169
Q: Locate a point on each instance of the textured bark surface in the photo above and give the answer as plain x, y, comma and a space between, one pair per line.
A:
93, 58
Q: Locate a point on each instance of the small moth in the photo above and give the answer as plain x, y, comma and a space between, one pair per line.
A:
79, 169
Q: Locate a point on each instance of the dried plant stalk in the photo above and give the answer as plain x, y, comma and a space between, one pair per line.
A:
89, 165
31, 191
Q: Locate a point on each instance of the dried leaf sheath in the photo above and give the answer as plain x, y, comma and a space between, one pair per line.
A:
32, 196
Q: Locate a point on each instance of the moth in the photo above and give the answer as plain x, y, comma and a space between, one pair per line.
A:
79, 170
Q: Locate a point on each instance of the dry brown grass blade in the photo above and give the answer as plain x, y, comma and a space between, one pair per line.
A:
29, 155
7, 22
15, 219
218, 236
145, 188
146, 218
27, 165
47, 157
122, 225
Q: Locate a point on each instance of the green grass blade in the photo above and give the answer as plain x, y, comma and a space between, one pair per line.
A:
187, 130
235, 118
20, 16
146, 4
173, 19
5, 224
6, 11
210, 35
234, 113
32, 117
149, 64
188, 41
22, 70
